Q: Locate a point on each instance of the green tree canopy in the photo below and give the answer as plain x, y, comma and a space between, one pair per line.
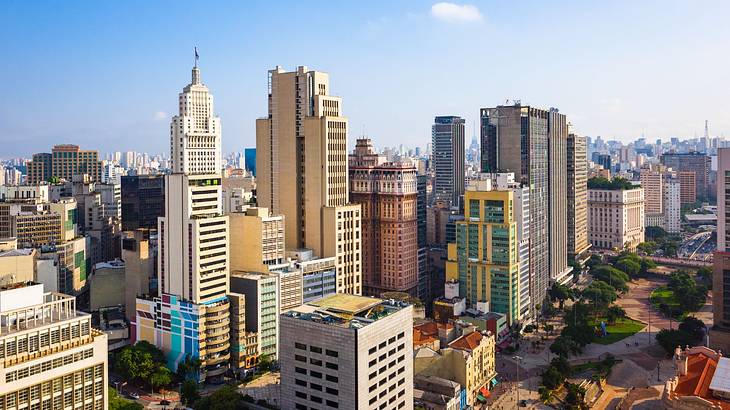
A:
116, 402
225, 398
189, 392
614, 184
600, 294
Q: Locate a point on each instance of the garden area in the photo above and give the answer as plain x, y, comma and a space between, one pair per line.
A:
681, 296
616, 331
557, 388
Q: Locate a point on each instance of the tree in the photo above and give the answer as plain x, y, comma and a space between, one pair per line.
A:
705, 273
189, 392
561, 363
564, 345
575, 397
162, 376
116, 402
693, 327
552, 378
612, 276
134, 363
188, 368
629, 266
264, 362
600, 294
225, 398
647, 247
670, 339
545, 394
654, 232
616, 183
560, 293
615, 312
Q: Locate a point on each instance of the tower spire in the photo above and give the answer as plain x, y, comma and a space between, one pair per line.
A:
196, 70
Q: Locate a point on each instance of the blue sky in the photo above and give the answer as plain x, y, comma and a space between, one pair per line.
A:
106, 75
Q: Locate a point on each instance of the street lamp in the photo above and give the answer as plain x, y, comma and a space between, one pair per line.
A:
518, 360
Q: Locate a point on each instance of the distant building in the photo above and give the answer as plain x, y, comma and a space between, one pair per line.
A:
688, 187
249, 157
616, 218
347, 352
54, 359
66, 161
695, 162
447, 138
143, 201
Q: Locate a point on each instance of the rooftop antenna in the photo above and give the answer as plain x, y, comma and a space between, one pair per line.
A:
197, 57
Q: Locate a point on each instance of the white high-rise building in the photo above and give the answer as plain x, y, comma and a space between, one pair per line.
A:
193, 259
672, 204
195, 134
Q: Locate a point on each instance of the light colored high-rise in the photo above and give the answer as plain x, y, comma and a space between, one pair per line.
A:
671, 202
193, 261
301, 165
577, 198
347, 352
50, 357
560, 272
447, 137
387, 193
258, 240
616, 218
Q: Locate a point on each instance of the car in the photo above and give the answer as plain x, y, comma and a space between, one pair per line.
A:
134, 395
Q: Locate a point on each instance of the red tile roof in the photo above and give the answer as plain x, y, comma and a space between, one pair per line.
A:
700, 369
467, 342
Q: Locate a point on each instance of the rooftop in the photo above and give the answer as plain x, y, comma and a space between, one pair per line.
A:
701, 369
468, 342
344, 310
17, 252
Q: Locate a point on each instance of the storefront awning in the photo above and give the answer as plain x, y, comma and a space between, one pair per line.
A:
485, 392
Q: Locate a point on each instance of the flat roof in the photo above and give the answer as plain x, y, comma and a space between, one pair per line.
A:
346, 303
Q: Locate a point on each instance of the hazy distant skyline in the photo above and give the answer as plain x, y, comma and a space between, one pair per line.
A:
106, 75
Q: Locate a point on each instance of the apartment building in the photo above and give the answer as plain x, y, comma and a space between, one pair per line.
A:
261, 292
50, 355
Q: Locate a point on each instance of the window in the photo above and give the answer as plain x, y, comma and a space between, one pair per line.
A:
333, 379
300, 346
332, 366
315, 349
300, 370
300, 395
315, 362
300, 358
332, 404
315, 386
318, 375
331, 353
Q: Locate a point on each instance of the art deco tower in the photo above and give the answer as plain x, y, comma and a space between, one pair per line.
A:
190, 314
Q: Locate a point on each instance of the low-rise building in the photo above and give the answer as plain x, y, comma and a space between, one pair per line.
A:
50, 357
435, 393
347, 352
701, 381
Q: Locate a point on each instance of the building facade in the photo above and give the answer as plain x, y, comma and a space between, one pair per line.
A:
51, 357
720, 331
143, 201
301, 166
447, 142
261, 292
347, 352
387, 194
257, 240
66, 161
616, 218
577, 198
695, 162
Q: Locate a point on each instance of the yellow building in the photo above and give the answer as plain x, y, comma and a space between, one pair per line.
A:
484, 259
468, 360
257, 240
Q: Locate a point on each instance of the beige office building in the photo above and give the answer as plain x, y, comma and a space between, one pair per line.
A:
616, 218
577, 198
257, 240
50, 357
302, 174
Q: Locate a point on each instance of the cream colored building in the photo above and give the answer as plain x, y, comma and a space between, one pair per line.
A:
52, 358
616, 218
257, 240
577, 198
301, 166
468, 360
16, 265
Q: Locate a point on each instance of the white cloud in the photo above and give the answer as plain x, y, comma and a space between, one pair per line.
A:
456, 13
160, 115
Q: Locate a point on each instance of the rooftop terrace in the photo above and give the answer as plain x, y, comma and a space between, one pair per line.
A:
346, 310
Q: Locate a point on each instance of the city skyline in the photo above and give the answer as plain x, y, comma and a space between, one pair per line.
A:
615, 77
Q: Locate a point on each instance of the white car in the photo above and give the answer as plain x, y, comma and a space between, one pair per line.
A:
134, 395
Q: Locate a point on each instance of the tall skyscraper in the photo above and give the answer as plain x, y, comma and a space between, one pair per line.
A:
249, 158
193, 262
387, 193
577, 198
720, 332
560, 272
515, 139
447, 138
301, 166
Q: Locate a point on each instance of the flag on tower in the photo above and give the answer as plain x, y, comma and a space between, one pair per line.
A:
196, 56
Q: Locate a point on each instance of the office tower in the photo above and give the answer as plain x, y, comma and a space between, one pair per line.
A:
560, 272
27, 214
616, 218
261, 292
238, 193
720, 331
66, 161
258, 240
347, 352
387, 193
687, 186
520, 136
484, 260
447, 137
40, 169
193, 259
52, 358
671, 203
99, 216
249, 157
301, 164
424, 276
577, 199
603, 160
143, 201
653, 183
692, 162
